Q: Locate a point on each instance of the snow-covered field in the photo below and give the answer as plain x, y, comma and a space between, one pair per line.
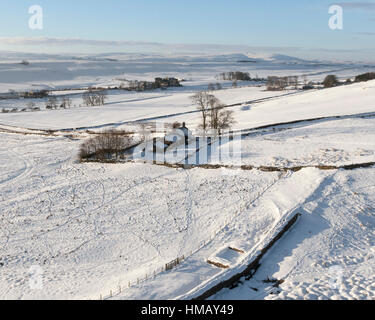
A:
346, 100
63, 71
124, 108
92, 227
317, 143
330, 253
92, 230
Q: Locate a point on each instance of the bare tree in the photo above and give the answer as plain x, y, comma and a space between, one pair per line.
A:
202, 100
221, 119
103, 97
94, 97
215, 107
283, 82
226, 120
277, 83
51, 103
214, 116
304, 79
66, 102
272, 83
295, 82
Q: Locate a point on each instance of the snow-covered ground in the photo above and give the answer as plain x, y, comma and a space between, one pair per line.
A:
317, 143
92, 227
93, 230
63, 71
128, 107
345, 100
330, 252
175, 105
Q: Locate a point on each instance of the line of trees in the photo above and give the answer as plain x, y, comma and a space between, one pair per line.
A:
54, 103
107, 145
236, 75
365, 77
159, 83
93, 98
33, 94
275, 83
332, 80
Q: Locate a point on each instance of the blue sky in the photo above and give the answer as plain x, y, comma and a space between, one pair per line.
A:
298, 27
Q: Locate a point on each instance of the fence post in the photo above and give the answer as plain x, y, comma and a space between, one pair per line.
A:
209, 140
197, 160
154, 151
186, 149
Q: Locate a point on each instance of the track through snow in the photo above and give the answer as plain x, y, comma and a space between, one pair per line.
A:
20, 172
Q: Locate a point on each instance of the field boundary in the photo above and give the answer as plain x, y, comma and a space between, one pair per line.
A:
252, 267
269, 168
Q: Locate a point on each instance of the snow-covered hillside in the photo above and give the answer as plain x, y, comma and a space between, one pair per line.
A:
330, 252
95, 230
77, 71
